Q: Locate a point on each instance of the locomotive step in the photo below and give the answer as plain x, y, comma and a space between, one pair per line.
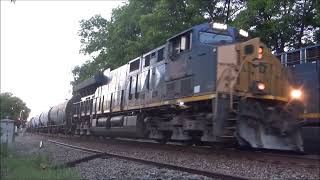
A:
228, 137
233, 112
231, 119
229, 131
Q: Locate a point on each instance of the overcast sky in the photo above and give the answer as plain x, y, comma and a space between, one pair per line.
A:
40, 46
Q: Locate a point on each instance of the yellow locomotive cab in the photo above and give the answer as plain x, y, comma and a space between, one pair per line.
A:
250, 71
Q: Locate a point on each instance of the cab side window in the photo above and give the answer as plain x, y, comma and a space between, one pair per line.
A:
147, 60
181, 43
135, 65
160, 55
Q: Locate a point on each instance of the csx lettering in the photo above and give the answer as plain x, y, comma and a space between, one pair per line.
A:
261, 67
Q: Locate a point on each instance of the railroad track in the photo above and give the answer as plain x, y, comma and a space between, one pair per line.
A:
309, 161
102, 154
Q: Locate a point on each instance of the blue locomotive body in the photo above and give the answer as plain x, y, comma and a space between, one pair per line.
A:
207, 84
304, 67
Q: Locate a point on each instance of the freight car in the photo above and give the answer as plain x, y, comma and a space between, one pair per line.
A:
304, 65
207, 84
54, 120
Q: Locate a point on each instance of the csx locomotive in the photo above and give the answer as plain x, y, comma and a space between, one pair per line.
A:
207, 84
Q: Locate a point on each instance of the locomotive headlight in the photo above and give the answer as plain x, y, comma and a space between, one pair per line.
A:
261, 86
243, 33
258, 87
182, 105
296, 94
219, 26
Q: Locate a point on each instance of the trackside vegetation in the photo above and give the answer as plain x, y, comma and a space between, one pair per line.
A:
33, 167
14, 108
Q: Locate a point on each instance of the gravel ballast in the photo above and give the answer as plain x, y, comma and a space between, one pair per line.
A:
113, 168
99, 168
223, 163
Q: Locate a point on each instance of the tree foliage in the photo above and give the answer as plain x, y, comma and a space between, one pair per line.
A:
11, 106
142, 25
317, 21
280, 23
138, 27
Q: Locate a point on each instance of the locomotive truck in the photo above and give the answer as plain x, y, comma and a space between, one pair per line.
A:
208, 84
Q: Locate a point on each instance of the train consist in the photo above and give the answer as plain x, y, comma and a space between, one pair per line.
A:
304, 67
207, 84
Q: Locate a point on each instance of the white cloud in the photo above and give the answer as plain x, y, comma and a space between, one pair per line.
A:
40, 46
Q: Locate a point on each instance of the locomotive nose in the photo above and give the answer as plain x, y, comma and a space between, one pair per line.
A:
271, 128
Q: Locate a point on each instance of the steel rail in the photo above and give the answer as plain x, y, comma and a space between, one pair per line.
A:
277, 157
250, 152
100, 154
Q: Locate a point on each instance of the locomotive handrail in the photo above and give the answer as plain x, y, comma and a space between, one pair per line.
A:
217, 92
299, 56
232, 87
233, 66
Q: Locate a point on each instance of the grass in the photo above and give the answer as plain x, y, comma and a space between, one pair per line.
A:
16, 167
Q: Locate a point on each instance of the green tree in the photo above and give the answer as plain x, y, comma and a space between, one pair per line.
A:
13, 107
86, 70
140, 26
167, 19
111, 43
317, 22
280, 23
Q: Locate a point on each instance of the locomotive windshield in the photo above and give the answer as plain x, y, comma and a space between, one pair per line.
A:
212, 38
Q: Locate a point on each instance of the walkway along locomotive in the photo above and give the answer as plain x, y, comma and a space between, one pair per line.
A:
209, 83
